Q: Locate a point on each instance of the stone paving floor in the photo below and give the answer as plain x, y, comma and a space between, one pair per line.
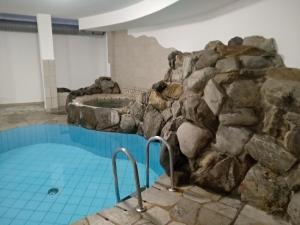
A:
12, 116
189, 206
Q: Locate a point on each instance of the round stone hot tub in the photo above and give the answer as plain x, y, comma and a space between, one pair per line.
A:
101, 112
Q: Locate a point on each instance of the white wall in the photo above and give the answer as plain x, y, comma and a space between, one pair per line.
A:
20, 79
79, 60
271, 18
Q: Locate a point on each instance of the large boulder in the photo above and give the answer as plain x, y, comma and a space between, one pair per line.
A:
196, 110
192, 139
269, 45
198, 79
173, 91
270, 154
178, 158
159, 86
127, 123
156, 100
294, 209
206, 58
292, 141
254, 62
231, 140
293, 179
213, 96
243, 93
176, 109
219, 173
227, 65
106, 118
137, 110
153, 122
240, 117
235, 41
264, 189
282, 89
187, 66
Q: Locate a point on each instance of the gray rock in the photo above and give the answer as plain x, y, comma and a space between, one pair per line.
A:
268, 153
264, 189
159, 86
222, 174
198, 79
177, 75
206, 58
176, 108
137, 110
213, 45
173, 91
153, 121
236, 41
187, 66
293, 209
282, 88
292, 118
156, 100
192, 139
231, 140
269, 45
213, 96
195, 109
272, 120
283, 93
242, 117
254, 62
243, 93
292, 141
106, 118
127, 123
178, 158
293, 178
167, 114
227, 65
185, 211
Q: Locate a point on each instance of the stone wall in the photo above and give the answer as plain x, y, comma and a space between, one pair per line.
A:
231, 114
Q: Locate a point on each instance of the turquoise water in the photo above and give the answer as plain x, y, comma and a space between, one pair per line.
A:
76, 161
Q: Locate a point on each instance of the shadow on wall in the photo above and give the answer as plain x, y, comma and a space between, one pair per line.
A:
136, 63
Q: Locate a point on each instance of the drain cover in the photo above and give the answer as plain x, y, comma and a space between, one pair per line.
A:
53, 191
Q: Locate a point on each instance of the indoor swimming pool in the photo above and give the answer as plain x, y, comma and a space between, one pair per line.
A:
57, 174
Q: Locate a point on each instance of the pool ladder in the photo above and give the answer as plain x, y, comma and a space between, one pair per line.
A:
140, 207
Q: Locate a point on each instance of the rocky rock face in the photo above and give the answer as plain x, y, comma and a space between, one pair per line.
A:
103, 85
232, 116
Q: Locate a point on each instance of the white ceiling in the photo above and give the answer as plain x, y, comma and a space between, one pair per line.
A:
63, 8
180, 12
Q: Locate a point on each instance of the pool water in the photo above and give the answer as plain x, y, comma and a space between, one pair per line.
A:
72, 160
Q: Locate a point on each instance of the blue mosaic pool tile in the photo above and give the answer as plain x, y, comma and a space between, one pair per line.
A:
76, 161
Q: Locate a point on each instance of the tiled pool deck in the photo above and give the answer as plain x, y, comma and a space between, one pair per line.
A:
191, 205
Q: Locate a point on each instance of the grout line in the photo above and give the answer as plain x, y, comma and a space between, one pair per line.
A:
238, 213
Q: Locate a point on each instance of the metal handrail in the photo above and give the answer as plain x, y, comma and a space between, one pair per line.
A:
164, 142
140, 207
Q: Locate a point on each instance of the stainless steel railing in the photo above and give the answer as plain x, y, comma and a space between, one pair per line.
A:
162, 142
140, 207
